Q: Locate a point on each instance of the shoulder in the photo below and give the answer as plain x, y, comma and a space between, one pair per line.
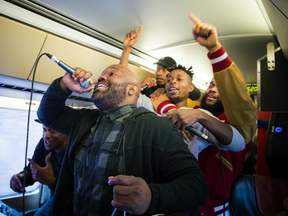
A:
154, 124
191, 104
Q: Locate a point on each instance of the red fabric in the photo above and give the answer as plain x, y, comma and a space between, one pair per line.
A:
210, 164
219, 66
270, 194
262, 167
168, 105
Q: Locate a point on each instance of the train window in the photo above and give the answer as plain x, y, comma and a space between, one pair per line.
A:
13, 132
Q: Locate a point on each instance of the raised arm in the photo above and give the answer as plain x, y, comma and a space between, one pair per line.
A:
240, 110
52, 111
129, 40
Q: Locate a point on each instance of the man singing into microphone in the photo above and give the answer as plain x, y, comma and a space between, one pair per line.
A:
153, 170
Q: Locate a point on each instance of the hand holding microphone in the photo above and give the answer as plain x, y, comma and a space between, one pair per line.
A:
148, 83
77, 76
183, 118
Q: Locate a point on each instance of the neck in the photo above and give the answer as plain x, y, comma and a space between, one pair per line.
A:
216, 113
161, 86
119, 105
180, 104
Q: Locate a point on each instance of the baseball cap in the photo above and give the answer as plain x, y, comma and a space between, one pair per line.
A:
166, 62
37, 120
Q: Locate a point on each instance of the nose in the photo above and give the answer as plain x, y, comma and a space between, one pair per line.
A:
211, 90
102, 77
173, 81
47, 133
159, 71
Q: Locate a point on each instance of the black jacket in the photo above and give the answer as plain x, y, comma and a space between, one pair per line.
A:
154, 151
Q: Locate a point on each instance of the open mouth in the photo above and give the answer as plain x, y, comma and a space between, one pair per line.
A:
211, 97
47, 143
172, 89
100, 86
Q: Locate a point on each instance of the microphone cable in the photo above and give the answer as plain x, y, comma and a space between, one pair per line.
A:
223, 177
222, 168
209, 140
27, 135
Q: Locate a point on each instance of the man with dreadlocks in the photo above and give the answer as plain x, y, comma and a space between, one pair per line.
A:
178, 86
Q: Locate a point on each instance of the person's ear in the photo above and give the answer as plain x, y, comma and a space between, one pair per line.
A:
133, 89
191, 88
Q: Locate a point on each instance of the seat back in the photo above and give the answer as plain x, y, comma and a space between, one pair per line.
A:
243, 197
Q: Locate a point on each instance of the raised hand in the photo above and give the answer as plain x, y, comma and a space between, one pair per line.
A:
131, 37
205, 34
45, 174
73, 82
129, 40
16, 182
131, 194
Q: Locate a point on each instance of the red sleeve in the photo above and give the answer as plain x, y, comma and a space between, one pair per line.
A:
219, 60
164, 106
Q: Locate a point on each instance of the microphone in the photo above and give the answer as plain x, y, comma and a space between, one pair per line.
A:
146, 85
199, 134
68, 69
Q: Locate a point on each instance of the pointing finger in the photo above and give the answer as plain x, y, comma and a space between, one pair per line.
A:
195, 19
140, 29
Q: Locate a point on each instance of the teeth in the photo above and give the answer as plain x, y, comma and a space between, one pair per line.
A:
172, 88
101, 85
211, 96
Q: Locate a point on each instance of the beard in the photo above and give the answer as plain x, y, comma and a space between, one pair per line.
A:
111, 98
216, 109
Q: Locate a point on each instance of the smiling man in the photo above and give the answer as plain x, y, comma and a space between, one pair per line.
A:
211, 100
119, 156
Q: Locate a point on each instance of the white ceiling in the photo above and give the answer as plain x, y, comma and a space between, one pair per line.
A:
242, 28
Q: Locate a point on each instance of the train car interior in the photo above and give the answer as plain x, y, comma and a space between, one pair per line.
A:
89, 34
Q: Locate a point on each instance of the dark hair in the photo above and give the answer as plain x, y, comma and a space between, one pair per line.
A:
183, 68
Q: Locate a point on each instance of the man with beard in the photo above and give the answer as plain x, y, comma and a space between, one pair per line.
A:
229, 95
119, 156
44, 166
